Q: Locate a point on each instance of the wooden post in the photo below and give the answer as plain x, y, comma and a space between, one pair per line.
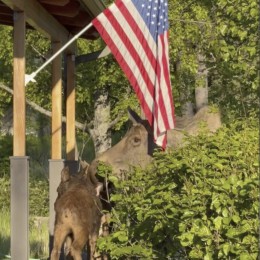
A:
56, 148
56, 163
70, 109
19, 162
19, 85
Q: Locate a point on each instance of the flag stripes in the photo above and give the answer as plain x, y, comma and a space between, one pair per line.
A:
143, 58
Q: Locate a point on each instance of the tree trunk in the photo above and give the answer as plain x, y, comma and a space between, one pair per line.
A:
201, 88
101, 131
185, 93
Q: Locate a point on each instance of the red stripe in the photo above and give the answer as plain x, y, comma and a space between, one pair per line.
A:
138, 32
164, 142
159, 102
129, 46
167, 75
161, 67
120, 59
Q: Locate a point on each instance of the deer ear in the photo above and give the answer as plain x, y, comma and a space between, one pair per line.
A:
65, 174
132, 115
84, 165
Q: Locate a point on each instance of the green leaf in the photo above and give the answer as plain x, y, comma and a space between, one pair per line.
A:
245, 256
186, 239
225, 212
236, 218
218, 222
219, 166
208, 256
226, 249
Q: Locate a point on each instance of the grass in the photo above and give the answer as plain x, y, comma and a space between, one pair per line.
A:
38, 237
4, 234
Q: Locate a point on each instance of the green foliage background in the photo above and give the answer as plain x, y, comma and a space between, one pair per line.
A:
38, 181
200, 202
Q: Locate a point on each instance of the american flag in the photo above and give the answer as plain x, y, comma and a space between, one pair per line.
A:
136, 31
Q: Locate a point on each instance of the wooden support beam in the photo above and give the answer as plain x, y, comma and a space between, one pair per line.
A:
57, 3
69, 10
19, 162
19, 85
70, 109
40, 19
56, 149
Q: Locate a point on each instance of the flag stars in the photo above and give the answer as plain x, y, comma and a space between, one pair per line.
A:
154, 13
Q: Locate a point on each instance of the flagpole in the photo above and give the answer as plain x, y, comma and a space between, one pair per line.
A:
31, 77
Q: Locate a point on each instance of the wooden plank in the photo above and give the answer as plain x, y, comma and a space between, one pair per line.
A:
69, 10
40, 19
70, 109
56, 149
19, 85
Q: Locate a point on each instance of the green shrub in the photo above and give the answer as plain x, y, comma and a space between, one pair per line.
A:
39, 197
200, 202
38, 183
5, 184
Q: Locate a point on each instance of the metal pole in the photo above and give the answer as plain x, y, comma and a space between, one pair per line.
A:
31, 77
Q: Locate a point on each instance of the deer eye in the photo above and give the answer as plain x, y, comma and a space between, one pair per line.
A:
136, 140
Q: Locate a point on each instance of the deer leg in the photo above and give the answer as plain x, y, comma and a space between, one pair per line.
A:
80, 239
92, 245
67, 246
60, 232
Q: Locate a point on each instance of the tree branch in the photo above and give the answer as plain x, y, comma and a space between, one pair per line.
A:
44, 111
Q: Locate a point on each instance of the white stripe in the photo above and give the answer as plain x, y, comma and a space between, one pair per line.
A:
164, 87
160, 139
129, 60
160, 86
139, 20
136, 44
168, 107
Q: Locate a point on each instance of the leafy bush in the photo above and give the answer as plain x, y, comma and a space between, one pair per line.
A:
5, 185
200, 202
38, 184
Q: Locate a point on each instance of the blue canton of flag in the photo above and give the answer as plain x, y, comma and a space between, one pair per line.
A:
155, 15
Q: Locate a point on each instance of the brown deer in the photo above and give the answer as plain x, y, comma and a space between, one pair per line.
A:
78, 215
137, 146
